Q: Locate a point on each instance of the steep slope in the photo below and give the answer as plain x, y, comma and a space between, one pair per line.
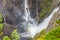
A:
40, 9
54, 21
51, 25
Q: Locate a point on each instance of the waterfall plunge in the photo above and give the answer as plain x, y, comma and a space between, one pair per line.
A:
32, 27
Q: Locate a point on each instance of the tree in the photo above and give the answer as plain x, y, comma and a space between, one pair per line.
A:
15, 35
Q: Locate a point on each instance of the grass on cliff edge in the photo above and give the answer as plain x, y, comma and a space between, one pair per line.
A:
53, 34
46, 6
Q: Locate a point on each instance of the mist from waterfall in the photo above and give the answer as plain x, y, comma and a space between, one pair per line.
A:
31, 25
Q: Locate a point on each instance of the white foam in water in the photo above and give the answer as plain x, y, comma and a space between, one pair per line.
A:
32, 26
27, 13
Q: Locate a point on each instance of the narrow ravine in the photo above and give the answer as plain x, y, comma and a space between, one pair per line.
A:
32, 27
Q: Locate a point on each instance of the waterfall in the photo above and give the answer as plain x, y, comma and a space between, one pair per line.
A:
27, 13
31, 25
28, 21
34, 29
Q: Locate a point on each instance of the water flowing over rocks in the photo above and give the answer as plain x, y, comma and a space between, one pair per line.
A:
29, 16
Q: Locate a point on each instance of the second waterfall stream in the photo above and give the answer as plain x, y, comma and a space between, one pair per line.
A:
32, 26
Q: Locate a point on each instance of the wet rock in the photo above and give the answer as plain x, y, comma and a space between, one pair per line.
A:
40, 9
7, 29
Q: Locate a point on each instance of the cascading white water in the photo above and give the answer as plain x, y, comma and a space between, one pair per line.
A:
28, 21
32, 27
27, 13
26, 17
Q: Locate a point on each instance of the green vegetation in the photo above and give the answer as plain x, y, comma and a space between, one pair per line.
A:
6, 38
15, 35
53, 34
1, 33
1, 26
46, 6
42, 32
58, 21
1, 18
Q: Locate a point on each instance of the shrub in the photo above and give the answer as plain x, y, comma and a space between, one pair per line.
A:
1, 33
1, 18
53, 34
58, 21
15, 35
1, 26
6, 38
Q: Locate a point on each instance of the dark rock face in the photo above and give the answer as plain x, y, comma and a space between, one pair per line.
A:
34, 6
7, 29
39, 9
13, 10
24, 38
